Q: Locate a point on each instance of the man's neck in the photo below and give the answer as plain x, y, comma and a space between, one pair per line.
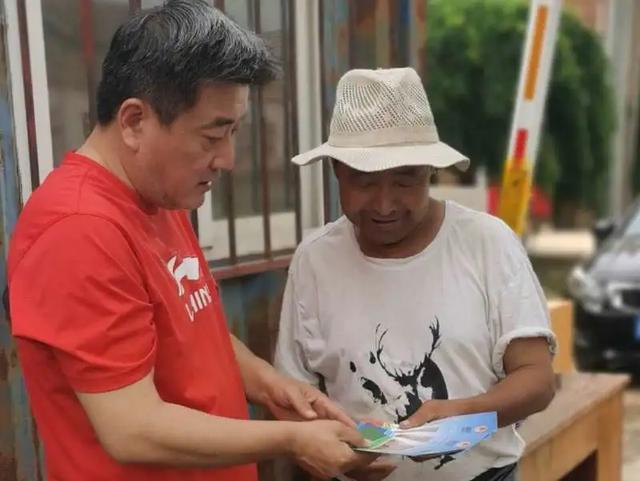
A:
104, 147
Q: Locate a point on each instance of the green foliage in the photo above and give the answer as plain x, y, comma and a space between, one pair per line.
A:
474, 49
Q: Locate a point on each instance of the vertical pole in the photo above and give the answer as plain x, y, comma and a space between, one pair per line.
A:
535, 70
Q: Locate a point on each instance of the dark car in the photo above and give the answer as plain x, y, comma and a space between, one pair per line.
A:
606, 293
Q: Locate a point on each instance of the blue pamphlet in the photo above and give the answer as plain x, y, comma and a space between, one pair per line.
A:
437, 438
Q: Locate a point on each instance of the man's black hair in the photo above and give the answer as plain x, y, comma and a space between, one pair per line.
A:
164, 55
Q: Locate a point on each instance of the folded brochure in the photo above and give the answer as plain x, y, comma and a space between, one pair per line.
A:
438, 438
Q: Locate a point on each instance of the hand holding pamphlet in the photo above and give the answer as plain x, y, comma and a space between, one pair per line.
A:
438, 438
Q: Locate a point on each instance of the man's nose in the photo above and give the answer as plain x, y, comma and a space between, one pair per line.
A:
384, 203
224, 158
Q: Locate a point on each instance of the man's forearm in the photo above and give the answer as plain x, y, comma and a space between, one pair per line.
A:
255, 372
522, 393
528, 387
174, 435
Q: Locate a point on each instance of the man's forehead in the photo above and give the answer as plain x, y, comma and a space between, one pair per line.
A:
222, 104
402, 170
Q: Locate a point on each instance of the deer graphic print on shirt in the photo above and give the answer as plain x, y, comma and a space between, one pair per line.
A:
412, 386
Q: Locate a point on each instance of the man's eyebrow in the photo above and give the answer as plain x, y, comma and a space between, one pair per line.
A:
407, 171
221, 122
218, 122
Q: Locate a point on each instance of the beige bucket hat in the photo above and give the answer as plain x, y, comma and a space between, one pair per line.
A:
382, 120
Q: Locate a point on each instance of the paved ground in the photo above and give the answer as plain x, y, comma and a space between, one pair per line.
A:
631, 470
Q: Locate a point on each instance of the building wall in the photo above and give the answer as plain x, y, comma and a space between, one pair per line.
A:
594, 13
618, 22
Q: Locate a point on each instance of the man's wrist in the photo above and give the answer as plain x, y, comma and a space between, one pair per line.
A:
471, 405
287, 438
263, 376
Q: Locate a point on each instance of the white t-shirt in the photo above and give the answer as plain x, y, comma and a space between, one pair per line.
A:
387, 334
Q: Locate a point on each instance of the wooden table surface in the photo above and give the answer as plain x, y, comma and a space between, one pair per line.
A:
582, 428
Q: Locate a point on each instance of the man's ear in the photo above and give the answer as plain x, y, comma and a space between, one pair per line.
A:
130, 117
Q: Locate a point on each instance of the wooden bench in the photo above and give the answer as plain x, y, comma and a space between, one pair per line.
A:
579, 436
561, 312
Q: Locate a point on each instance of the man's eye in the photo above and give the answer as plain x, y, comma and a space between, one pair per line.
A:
407, 182
363, 181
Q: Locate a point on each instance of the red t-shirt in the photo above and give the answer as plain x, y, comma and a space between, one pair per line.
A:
102, 291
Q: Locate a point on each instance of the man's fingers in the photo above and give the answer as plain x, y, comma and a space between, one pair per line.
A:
283, 414
352, 437
361, 461
301, 405
420, 417
376, 471
330, 410
383, 464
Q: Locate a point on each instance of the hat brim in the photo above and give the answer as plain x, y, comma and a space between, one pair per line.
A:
374, 159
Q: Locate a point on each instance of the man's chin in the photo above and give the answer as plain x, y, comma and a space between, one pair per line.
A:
386, 239
195, 203
390, 242
191, 203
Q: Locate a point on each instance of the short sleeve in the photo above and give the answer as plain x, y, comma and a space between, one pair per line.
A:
80, 290
519, 307
298, 321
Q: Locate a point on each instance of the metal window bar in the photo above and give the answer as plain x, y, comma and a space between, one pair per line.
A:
367, 34
134, 6
261, 141
89, 57
227, 185
335, 41
236, 265
290, 96
256, 118
28, 93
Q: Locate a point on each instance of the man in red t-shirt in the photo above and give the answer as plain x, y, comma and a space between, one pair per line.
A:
130, 369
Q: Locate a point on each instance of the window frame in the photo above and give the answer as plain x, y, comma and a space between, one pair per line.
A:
308, 196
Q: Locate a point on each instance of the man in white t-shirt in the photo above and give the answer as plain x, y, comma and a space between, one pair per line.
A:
409, 309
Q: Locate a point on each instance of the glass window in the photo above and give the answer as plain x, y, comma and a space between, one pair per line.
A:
265, 137
273, 110
146, 4
77, 38
74, 58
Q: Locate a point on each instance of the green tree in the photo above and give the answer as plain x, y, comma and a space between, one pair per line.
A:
474, 49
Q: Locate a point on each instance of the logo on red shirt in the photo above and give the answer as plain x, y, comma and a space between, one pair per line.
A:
189, 269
